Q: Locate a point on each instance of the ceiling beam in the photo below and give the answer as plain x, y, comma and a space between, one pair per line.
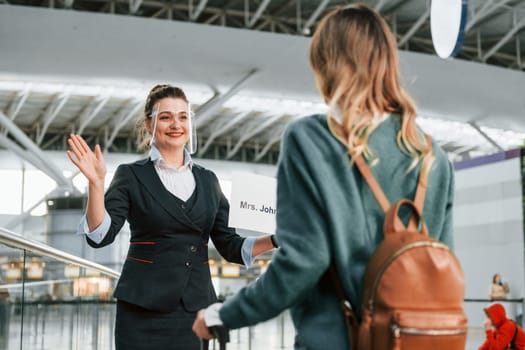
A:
518, 52
198, 10
488, 8
223, 129
91, 110
254, 131
134, 6
36, 154
284, 28
263, 24
283, 8
125, 115
466, 49
207, 111
485, 136
52, 111
22, 153
380, 4
313, 17
463, 152
213, 18
268, 146
53, 140
517, 27
160, 12
18, 101
251, 21
421, 20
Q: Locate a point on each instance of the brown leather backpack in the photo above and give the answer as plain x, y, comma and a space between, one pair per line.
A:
413, 287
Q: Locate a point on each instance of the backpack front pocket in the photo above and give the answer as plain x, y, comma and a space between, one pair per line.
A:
427, 330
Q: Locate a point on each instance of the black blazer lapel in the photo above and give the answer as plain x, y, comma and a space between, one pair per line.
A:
148, 177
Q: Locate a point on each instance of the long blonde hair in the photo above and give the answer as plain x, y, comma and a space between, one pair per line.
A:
353, 55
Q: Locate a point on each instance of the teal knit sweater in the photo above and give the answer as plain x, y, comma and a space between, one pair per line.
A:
326, 212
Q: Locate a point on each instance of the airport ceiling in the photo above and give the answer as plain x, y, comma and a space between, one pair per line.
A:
41, 102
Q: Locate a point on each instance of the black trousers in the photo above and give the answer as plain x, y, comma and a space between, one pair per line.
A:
137, 328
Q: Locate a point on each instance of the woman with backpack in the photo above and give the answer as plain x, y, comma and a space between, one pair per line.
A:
326, 213
501, 333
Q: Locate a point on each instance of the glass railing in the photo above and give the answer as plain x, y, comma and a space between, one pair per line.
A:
50, 299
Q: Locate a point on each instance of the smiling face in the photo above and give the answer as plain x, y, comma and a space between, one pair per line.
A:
170, 124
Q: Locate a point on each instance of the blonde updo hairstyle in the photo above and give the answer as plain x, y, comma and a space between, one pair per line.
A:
353, 55
157, 93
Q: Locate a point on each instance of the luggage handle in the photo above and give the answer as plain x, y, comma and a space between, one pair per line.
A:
221, 333
392, 222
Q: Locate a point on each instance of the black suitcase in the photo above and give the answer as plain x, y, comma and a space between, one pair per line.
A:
222, 335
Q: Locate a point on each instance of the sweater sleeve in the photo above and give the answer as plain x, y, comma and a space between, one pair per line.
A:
303, 255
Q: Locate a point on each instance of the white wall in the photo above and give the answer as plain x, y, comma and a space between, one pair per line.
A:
488, 229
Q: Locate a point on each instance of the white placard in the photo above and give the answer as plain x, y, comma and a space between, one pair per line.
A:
253, 202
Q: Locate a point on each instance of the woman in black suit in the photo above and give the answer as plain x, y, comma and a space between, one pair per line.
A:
173, 207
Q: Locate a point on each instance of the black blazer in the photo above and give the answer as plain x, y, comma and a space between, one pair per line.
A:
168, 255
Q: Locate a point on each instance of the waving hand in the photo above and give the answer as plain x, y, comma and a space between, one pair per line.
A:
90, 163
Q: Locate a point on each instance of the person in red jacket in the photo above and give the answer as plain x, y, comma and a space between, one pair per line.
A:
500, 330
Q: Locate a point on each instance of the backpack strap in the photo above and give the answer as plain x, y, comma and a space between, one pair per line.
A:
421, 189
370, 179
381, 198
351, 319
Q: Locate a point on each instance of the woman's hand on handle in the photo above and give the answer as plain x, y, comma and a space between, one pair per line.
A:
200, 328
91, 164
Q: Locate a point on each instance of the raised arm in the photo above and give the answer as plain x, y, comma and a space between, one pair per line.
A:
92, 166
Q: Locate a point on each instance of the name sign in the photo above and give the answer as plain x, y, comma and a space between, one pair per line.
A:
253, 202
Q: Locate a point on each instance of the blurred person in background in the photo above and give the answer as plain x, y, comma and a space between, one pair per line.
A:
498, 290
501, 333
